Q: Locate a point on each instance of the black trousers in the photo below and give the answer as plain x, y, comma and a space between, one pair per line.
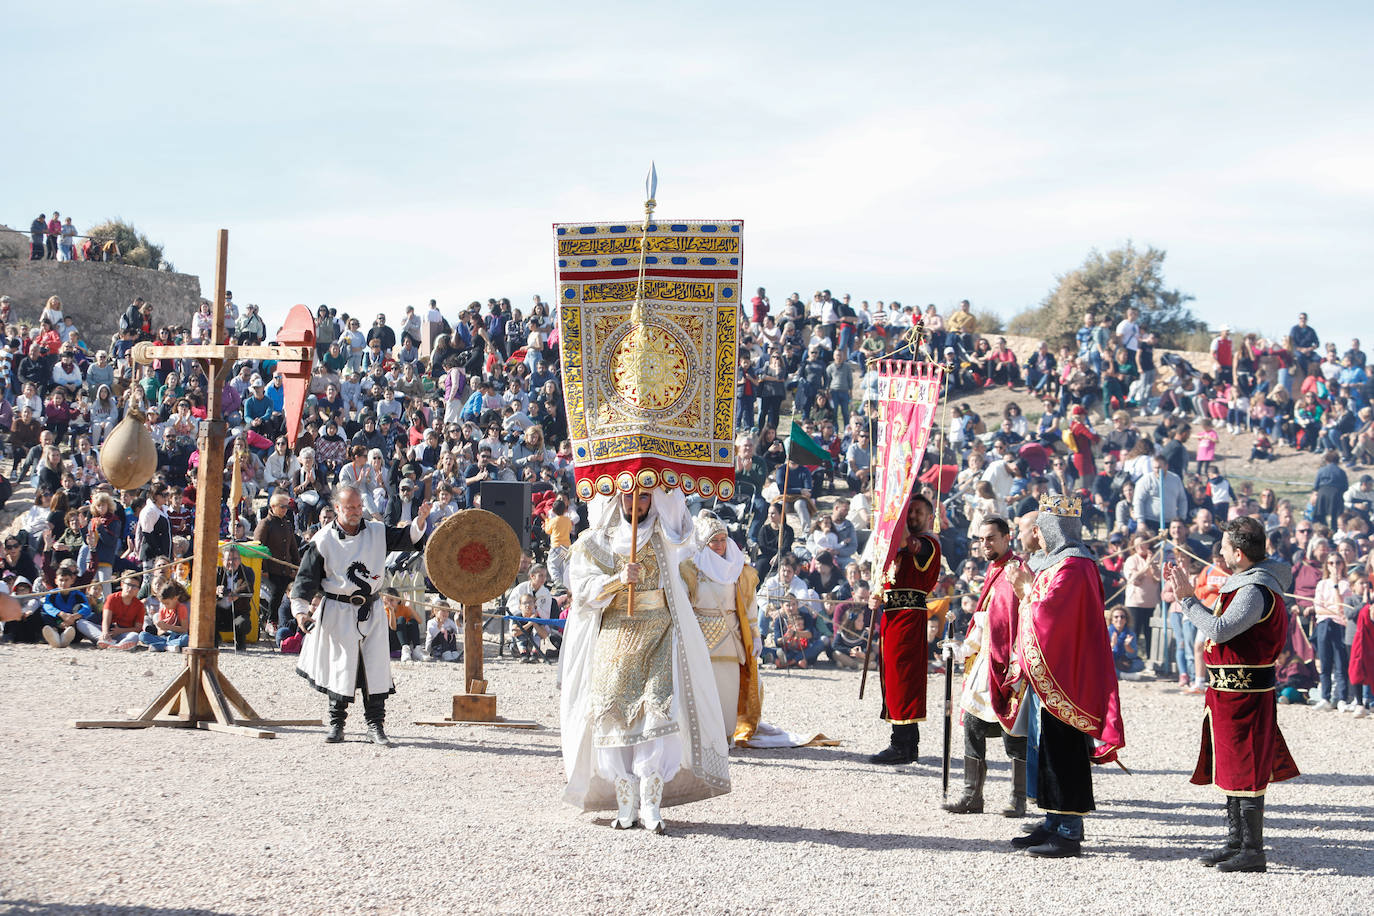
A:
1064, 777
977, 732
407, 633
374, 707
276, 591
25, 629
231, 618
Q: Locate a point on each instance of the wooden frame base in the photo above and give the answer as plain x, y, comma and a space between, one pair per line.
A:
498, 722
200, 696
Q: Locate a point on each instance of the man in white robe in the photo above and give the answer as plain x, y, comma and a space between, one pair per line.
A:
347, 648
641, 723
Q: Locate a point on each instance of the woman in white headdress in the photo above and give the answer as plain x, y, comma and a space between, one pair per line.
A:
640, 716
722, 585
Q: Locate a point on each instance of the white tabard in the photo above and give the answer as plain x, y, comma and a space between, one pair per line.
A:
337, 563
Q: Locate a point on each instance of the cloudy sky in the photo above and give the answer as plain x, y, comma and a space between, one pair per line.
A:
373, 155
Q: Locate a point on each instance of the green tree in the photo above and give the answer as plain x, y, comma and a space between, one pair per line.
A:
1108, 285
136, 248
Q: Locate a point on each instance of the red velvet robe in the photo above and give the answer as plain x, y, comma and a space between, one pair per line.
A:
999, 600
904, 664
1064, 652
1362, 651
1242, 748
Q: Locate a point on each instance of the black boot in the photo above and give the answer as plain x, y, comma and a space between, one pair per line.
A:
1233, 835
374, 710
1251, 855
902, 749
1057, 846
971, 802
1016, 807
338, 715
1038, 834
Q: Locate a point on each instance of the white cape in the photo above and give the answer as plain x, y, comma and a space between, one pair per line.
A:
704, 770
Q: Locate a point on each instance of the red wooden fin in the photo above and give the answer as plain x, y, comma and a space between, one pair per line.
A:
298, 331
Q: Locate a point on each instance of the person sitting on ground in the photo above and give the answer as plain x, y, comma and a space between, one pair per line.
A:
525, 637
67, 615
27, 625
172, 623
1128, 660
441, 642
124, 614
405, 623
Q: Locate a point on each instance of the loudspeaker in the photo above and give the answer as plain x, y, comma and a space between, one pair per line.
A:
511, 501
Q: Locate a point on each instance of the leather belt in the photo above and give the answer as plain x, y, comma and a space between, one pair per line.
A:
356, 599
898, 599
1242, 678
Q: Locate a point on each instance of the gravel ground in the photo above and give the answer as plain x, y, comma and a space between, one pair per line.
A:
468, 819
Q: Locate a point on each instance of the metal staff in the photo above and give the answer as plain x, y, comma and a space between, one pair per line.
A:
947, 644
868, 650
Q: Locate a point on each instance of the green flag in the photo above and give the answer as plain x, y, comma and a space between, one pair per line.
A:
802, 449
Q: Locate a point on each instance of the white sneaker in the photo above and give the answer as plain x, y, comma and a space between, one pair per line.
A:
1343, 706
405, 654
1360, 712
68, 637
1322, 705
51, 637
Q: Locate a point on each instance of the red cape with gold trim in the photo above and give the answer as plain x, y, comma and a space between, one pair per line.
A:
999, 600
1065, 653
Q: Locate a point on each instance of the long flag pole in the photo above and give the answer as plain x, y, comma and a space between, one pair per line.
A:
637, 316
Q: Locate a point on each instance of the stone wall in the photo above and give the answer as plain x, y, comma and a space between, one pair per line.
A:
95, 293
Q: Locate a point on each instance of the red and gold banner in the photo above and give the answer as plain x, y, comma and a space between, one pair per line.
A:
650, 403
908, 394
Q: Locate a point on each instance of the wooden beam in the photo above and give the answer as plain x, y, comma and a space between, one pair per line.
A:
168, 695
130, 723
209, 484
218, 704
240, 730
145, 352
236, 698
472, 643
498, 722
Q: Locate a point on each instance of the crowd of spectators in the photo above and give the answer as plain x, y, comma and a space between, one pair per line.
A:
426, 407
55, 239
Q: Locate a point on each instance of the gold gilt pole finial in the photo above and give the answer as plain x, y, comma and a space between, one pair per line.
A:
637, 312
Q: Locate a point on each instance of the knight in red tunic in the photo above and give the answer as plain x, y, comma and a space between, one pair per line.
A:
1242, 748
904, 654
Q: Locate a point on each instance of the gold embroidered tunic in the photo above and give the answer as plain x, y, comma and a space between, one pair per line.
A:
632, 674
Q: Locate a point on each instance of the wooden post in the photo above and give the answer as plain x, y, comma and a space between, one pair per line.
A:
209, 486
634, 548
472, 646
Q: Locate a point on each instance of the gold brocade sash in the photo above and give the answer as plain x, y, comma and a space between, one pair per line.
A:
650, 600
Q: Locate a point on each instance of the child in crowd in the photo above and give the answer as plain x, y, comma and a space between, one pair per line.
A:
524, 634
1262, 448
1219, 491
67, 615
559, 526
441, 641
1206, 445
1124, 653
123, 619
405, 623
172, 625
